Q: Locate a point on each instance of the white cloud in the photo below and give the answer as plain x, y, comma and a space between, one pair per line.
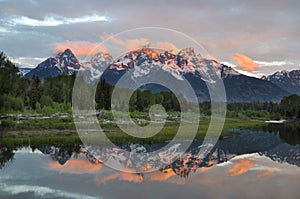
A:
40, 191
251, 74
55, 21
228, 64
266, 68
27, 62
4, 30
273, 63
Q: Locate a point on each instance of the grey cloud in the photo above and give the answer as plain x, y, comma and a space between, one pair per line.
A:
262, 30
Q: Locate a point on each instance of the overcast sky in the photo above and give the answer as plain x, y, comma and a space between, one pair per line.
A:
260, 36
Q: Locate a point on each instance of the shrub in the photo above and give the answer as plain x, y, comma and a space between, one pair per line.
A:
8, 124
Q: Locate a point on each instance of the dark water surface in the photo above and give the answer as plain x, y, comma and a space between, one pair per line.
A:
257, 163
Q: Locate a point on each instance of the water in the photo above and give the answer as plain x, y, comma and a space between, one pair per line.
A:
257, 163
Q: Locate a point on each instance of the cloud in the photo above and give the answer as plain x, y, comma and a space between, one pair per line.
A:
28, 62
275, 39
128, 44
162, 176
167, 175
251, 74
122, 176
273, 63
40, 191
244, 62
105, 179
79, 48
119, 42
267, 172
208, 56
168, 46
240, 167
75, 167
55, 20
4, 30
135, 44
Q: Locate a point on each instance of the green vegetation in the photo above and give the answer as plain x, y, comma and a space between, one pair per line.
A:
22, 95
170, 129
56, 129
39, 141
38, 124
53, 97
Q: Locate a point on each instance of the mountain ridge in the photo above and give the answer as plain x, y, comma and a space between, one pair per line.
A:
186, 63
288, 80
63, 62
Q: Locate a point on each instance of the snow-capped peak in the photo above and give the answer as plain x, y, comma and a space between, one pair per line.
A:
68, 61
141, 62
287, 80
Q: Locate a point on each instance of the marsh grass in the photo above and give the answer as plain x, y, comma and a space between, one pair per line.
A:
61, 131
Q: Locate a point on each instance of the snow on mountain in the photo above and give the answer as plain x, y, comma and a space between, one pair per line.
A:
141, 62
144, 64
186, 61
138, 158
63, 62
24, 71
287, 80
94, 68
67, 61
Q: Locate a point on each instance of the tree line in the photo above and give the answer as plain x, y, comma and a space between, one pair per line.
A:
54, 94
18, 93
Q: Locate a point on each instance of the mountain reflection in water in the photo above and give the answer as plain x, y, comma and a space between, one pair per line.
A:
278, 145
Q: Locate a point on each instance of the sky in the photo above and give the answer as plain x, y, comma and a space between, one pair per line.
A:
255, 37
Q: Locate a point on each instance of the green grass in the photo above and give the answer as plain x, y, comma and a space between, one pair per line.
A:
170, 129
38, 141
37, 124
62, 130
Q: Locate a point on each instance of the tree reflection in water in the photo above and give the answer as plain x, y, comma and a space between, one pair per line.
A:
278, 142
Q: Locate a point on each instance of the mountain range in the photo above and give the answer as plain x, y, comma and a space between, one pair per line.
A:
63, 62
288, 80
186, 64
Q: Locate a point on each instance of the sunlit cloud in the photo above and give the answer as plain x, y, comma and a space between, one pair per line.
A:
267, 172
111, 37
240, 167
162, 176
241, 71
208, 56
244, 62
75, 167
27, 62
105, 179
204, 169
121, 176
79, 48
135, 44
55, 20
167, 176
168, 46
129, 44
